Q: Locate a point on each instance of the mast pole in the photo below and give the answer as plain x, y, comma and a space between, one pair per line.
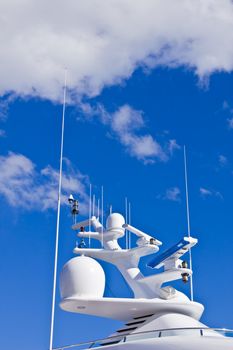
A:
188, 220
129, 224
90, 199
102, 215
58, 216
126, 220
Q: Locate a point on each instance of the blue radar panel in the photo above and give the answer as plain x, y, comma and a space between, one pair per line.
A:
175, 252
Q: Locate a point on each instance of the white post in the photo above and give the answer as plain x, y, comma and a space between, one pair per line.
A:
126, 220
129, 224
58, 217
93, 204
102, 214
98, 209
89, 238
188, 220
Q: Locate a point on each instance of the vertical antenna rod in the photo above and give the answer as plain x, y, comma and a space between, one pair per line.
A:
102, 215
93, 205
98, 209
58, 216
188, 219
129, 224
89, 237
126, 220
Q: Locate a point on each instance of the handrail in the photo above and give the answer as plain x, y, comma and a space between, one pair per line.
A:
159, 332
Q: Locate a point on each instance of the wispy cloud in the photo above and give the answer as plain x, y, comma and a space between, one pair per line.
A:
222, 160
2, 133
227, 107
105, 45
4, 105
22, 185
205, 193
173, 146
230, 123
127, 125
171, 194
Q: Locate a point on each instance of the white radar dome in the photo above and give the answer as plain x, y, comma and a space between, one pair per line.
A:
82, 277
115, 221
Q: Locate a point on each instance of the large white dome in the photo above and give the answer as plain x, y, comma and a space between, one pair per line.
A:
82, 277
115, 221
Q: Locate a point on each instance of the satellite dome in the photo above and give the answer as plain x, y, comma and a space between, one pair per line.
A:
82, 277
115, 221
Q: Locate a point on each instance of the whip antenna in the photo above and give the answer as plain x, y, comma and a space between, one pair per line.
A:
58, 215
98, 209
90, 194
102, 215
188, 219
129, 224
126, 220
93, 205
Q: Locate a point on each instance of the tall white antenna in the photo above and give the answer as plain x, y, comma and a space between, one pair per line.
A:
102, 214
90, 194
129, 224
98, 209
126, 220
188, 220
58, 216
93, 209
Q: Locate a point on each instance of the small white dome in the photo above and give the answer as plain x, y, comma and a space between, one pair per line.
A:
82, 277
115, 221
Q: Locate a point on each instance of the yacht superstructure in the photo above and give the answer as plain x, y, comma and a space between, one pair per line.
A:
158, 316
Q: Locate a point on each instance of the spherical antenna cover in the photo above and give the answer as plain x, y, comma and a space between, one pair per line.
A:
82, 277
115, 221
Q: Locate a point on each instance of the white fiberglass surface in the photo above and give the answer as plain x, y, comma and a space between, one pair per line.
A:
186, 339
174, 343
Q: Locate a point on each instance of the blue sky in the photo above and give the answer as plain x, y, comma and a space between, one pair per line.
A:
125, 129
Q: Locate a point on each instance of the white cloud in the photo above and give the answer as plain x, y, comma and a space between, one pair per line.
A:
103, 42
205, 193
127, 119
126, 122
2, 133
172, 146
230, 123
22, 185
225, 105
4, 106
127, 125
172, 194
222, 160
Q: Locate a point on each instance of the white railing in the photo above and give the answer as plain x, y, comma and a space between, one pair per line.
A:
213, 332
